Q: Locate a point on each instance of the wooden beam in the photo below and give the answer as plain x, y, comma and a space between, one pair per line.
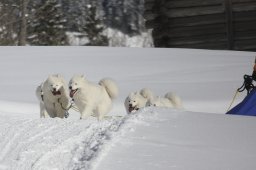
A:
197, 20
195, 11
205, 30
229, 23
250, 6
191, 3
244, 16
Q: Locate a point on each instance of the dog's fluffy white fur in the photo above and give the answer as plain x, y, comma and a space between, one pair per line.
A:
145, 97
92, 99
53, 97
169, 100
137, 100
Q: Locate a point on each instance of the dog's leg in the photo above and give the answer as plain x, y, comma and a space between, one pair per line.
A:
103, 108
43, 112
99, 115
86, 112
59, 111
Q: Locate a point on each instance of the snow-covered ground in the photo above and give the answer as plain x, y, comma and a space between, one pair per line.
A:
194, 138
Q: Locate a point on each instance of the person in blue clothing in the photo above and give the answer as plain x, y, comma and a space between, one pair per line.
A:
254, 71
249, 81
248, 105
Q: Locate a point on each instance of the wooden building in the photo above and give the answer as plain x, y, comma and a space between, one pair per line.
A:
203, 24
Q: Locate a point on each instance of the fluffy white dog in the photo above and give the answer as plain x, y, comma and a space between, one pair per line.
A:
53, 97
92, 99
169, 100
137, 100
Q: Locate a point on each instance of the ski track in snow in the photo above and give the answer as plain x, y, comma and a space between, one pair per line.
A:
60, 143
53, 143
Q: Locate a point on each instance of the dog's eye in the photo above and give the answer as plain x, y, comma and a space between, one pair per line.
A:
134, 101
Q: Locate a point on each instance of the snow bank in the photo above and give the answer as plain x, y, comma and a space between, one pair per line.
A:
158, 138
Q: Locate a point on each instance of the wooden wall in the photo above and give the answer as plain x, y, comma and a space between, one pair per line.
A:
204, 24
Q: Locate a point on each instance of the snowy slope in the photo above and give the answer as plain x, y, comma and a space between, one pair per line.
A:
166, 138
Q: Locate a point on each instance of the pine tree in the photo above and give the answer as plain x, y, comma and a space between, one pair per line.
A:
124, 15
8, 22
23, 22
94, 28
48, 24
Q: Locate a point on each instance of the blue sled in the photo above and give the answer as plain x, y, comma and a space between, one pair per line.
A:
246, 107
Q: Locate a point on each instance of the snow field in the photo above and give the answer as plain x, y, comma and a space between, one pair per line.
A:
154, 138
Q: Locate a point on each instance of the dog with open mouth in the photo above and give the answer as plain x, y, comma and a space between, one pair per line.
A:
53, 97
92, 99
137, 100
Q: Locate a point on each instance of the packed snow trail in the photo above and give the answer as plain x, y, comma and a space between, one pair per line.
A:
168, 139
162, 138
52, 143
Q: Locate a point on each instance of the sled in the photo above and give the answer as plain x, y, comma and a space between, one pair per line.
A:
248, 105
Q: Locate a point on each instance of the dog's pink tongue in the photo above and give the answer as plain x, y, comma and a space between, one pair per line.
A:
72, 92
130, 109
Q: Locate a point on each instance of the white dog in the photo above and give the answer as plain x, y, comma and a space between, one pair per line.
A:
169, 100
53, 97
137, 100
92, 99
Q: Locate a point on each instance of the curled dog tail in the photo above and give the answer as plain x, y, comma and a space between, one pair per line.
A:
147, 93
39, 93
176, 100
110, 87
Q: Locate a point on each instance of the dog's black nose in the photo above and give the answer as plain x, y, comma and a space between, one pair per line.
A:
54, 89
70, 87
130, 105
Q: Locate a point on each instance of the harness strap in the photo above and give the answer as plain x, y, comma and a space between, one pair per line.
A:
69, 107
248, 85
63, 106
233, 100
72, 106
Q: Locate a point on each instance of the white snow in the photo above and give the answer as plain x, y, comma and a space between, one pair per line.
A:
199, 137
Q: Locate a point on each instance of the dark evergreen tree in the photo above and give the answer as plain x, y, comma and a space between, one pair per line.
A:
75, 12
9, 22
94, 28
124, 15
48, 25
49, 20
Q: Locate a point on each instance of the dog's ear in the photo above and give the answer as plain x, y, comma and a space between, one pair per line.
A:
82, 76
50, 76
131, 94
55, 75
